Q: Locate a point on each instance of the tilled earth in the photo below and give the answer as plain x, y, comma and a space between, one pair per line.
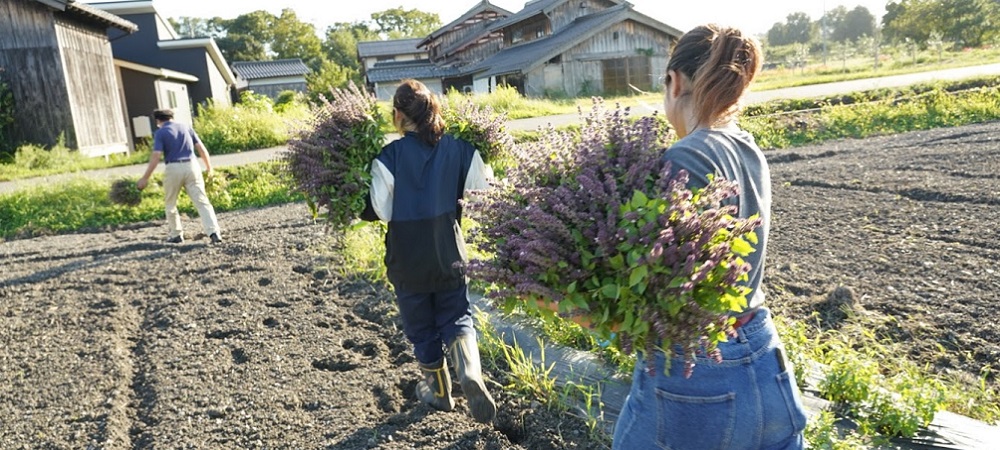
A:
113, 339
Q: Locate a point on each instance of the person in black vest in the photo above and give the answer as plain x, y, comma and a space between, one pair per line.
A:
417, 182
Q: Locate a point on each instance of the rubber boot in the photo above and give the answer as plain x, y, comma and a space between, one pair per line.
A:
465, 356
435, 388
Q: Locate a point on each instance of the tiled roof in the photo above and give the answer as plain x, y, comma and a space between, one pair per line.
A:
255, 70
370, 49
418, 69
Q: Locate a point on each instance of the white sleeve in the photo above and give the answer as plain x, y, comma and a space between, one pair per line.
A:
383, 184
480, 174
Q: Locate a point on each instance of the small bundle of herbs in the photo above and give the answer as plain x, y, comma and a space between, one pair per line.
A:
124, 192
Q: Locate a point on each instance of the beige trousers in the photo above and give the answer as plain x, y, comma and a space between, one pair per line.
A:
187, 175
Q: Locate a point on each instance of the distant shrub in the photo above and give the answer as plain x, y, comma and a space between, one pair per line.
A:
253, 123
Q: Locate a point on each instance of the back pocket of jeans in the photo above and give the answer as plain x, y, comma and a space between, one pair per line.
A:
695, 422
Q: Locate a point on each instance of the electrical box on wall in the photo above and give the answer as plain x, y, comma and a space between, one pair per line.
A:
141, 126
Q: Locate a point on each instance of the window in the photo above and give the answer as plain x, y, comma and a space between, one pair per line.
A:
171, 99
622, 74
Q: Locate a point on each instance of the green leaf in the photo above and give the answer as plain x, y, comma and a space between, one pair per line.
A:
752, 237
639, 200
611, 291
617, 262
638, 275
571, 288
629, 321
742, 247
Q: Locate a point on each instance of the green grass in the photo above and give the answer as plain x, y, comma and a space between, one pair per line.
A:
859, 67
933, 109
83, 203
35, 161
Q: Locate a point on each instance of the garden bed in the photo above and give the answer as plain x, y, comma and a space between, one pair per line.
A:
115, 340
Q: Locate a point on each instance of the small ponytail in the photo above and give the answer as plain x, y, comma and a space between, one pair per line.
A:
721, 62
421, 111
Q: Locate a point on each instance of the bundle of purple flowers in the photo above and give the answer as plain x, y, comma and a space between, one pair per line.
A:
596, 224
329, 160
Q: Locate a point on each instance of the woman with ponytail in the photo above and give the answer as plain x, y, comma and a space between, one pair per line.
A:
748, 400
417, 182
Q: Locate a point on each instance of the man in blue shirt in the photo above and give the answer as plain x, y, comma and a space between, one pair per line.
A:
175, 143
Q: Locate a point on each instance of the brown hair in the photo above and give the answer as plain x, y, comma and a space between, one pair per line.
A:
721, 62
421, 110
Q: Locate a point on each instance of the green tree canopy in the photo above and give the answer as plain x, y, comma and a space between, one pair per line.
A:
293, 38
341, 44
191, 27
399, 23
857, 22
247, 37
797, 29
832, 22
964, 22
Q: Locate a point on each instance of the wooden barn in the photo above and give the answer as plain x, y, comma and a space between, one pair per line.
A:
579, 47
57, 61
548, 48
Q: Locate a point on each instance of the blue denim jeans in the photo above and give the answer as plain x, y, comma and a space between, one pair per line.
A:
431, 320
749, 401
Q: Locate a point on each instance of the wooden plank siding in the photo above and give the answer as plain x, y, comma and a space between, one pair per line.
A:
93, 89
581, 70
564, 14
29, 53
62, 77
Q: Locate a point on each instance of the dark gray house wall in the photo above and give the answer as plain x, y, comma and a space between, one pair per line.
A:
139, 47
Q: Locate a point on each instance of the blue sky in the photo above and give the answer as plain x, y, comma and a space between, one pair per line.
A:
753, 16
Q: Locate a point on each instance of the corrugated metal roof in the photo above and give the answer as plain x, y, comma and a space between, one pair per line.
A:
478, 31
525, 57
480, 7
530, 9
369, 49
255, 70
522, 58
418, 69
87, 12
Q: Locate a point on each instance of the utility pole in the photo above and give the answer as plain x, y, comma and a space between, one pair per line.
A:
822, 29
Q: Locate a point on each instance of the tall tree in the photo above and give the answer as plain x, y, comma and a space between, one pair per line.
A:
191, 27
330, 75
798, 28
341, 44
248, 37
858, 22
832, 23
777, 35
293, 38
399, 23
970, 22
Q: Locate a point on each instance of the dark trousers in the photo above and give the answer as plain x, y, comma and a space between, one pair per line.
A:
432, 320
